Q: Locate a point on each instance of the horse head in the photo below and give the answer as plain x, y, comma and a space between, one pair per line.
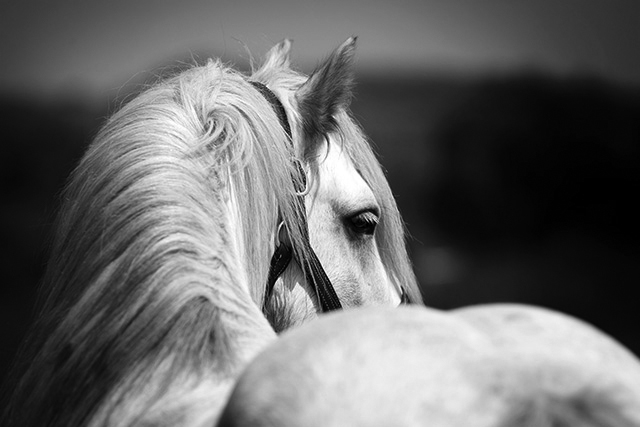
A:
353, 221
152, 302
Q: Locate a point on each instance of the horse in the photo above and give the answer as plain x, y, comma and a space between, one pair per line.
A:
183, 207
493, 365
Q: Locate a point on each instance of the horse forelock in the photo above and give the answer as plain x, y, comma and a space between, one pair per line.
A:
145, 262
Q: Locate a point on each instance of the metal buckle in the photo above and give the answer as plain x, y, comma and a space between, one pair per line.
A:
301, 183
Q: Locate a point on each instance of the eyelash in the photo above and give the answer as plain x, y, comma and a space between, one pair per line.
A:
363, 223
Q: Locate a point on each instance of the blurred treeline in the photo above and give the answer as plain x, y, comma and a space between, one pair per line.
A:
514, 188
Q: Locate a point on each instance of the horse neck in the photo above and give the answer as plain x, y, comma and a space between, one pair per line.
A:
144, 292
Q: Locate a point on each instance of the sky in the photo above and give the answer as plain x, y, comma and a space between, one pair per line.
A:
48, 47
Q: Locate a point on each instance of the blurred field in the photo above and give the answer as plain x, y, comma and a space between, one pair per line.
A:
514, 188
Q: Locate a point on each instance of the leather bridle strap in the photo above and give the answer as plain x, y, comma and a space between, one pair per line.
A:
283, 254
277, 107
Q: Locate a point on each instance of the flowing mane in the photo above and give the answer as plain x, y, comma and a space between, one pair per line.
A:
152, 300
143, 261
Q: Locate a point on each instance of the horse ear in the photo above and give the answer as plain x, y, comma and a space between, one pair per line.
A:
278, 56
327, 89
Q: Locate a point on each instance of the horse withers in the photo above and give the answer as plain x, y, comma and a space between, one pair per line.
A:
155, 294
500, 365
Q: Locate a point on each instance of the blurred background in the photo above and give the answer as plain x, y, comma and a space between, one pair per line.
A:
510, 131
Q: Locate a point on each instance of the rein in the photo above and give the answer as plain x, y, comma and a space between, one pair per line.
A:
313, 271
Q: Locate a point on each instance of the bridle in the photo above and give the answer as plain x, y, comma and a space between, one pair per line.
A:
283, 253
313, 270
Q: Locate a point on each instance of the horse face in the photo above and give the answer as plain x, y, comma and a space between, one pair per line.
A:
342, 209
343, 214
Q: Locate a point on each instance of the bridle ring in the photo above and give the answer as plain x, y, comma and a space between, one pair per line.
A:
278, 231
304, 179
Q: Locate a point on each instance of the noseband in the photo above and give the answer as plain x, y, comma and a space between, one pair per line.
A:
313, 271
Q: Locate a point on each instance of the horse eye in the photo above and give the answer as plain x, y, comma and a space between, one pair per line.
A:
363, 223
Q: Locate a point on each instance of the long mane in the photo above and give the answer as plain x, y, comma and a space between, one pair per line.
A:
151, 300
154, 284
